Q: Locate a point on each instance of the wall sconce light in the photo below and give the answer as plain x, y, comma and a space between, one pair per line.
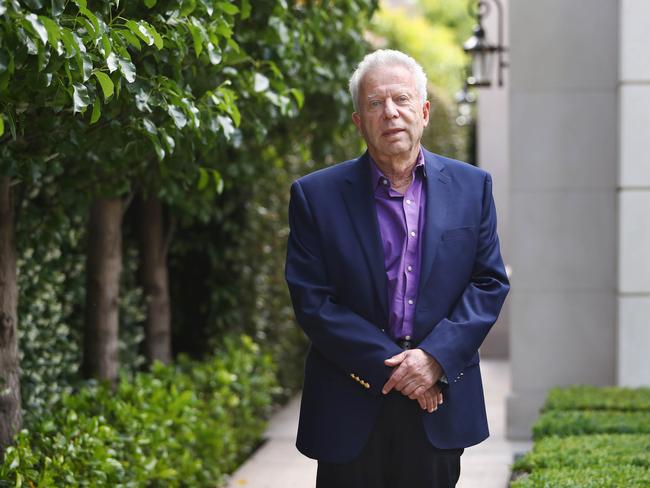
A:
481, 51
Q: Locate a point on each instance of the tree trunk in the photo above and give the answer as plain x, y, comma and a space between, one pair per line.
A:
103, 268
10, 408
154, 279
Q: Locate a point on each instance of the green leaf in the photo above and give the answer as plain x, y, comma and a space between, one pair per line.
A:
245, 9
157, 38
68, 42
93, 19
112, 62
150, 3
127, 68
299, 96
27, 41
204, 178
140, 31
177, 115
149, 126
228, 8
131, 38
218, 181
160, 151
97, 111
214, 53
81, 3
85, 65
53, 30
226, 126
80, 97
197, 38
34, 4
233, 111
38, 27
57, 7
106, 83
188, 7
106, 45
2, 125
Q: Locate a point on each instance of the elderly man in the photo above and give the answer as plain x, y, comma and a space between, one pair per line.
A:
396, 277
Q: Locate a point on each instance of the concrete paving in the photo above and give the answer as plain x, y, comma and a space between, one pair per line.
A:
277, 464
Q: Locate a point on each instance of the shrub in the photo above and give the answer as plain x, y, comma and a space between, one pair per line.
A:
183, 425
606, 477
581, 422
587, 451
598, 398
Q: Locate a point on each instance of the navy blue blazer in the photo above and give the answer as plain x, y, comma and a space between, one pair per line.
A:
336, 277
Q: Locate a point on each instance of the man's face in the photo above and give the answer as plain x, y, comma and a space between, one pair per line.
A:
391, 114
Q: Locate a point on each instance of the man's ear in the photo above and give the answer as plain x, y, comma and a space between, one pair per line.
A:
356, 118
426, 109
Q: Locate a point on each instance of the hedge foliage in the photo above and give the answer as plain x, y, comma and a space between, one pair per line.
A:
598, 398
589, 437
585, 422
183, 425
586, 452
609, 477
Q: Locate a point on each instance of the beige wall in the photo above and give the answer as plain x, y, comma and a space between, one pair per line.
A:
563, 130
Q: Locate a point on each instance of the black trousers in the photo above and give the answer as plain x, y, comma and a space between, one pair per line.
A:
397, 455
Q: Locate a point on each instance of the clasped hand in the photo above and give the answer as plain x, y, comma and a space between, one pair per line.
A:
416, 375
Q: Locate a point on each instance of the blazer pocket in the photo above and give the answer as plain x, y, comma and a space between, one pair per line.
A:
458, 233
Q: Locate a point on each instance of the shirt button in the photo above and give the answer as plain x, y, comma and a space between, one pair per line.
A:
407, 338
409, 268
412, 233
410, 302
408, 202
384, 182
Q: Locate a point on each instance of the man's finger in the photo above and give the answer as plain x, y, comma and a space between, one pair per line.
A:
406, 385
397, 375
440, 398
416, 393
429, 400
423, 402
395, 360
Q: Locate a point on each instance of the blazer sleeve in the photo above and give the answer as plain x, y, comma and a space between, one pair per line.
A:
346, 339
455, 340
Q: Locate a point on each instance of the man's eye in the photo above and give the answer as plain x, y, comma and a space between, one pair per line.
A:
375, 103
403, 98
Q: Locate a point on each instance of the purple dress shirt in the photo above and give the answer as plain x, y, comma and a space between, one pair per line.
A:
401, 223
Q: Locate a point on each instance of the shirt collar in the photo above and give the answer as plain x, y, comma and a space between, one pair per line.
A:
378, 177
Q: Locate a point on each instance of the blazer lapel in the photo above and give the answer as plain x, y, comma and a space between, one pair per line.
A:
436, 214
360, 202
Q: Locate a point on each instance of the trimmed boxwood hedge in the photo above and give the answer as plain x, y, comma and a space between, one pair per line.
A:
584, 422
587, 452
589, 437
598, 398
607, 477
189, 424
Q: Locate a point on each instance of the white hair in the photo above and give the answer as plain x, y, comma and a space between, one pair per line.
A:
387, 57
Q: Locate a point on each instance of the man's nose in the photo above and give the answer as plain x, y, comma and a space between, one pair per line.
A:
390, 109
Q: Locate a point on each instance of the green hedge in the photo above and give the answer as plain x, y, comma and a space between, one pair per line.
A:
584, 422
587, 452
609, 477
598, 398
183, 425
589, 437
